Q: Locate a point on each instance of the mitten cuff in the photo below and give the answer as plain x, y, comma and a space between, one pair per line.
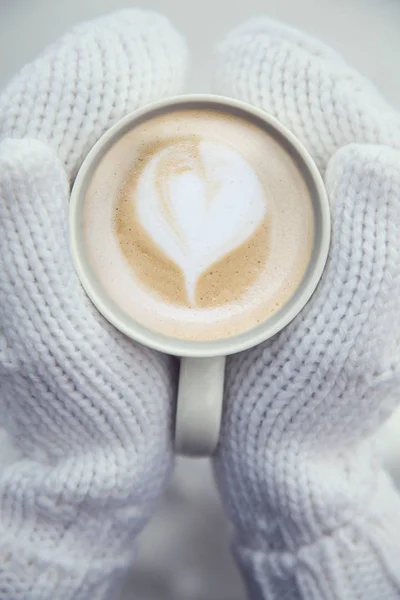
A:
359, 560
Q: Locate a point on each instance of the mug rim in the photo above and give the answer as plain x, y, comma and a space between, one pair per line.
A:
198, 348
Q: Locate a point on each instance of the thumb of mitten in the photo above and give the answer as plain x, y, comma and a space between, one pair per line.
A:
65, 369
34, 255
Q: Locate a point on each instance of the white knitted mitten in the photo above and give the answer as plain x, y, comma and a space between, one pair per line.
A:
315, 516
89, 410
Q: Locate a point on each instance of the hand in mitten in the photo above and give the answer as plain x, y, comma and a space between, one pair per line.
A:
89, 410
315, 516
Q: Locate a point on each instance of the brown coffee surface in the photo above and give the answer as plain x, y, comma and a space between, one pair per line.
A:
139, 227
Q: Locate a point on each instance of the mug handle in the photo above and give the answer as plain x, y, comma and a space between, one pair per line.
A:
199, 406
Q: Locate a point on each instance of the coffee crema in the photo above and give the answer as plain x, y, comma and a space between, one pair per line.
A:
199, 224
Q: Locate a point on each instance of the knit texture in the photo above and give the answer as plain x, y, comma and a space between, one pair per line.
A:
306, 85
89, 410
315, 517
90, 78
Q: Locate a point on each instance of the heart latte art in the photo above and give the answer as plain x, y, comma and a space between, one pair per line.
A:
199, 224
197, 200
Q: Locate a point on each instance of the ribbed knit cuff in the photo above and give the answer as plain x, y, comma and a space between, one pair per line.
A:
358, 561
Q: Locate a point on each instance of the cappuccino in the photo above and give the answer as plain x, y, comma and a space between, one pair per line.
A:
199, 223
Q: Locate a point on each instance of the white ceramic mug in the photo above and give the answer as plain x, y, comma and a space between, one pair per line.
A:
201, 379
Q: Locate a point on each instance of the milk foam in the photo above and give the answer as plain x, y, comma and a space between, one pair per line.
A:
234, 189
198, 207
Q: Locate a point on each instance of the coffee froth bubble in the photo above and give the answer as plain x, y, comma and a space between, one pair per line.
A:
199, 224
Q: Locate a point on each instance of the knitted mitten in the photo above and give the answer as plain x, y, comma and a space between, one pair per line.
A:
88, 409
315, 516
